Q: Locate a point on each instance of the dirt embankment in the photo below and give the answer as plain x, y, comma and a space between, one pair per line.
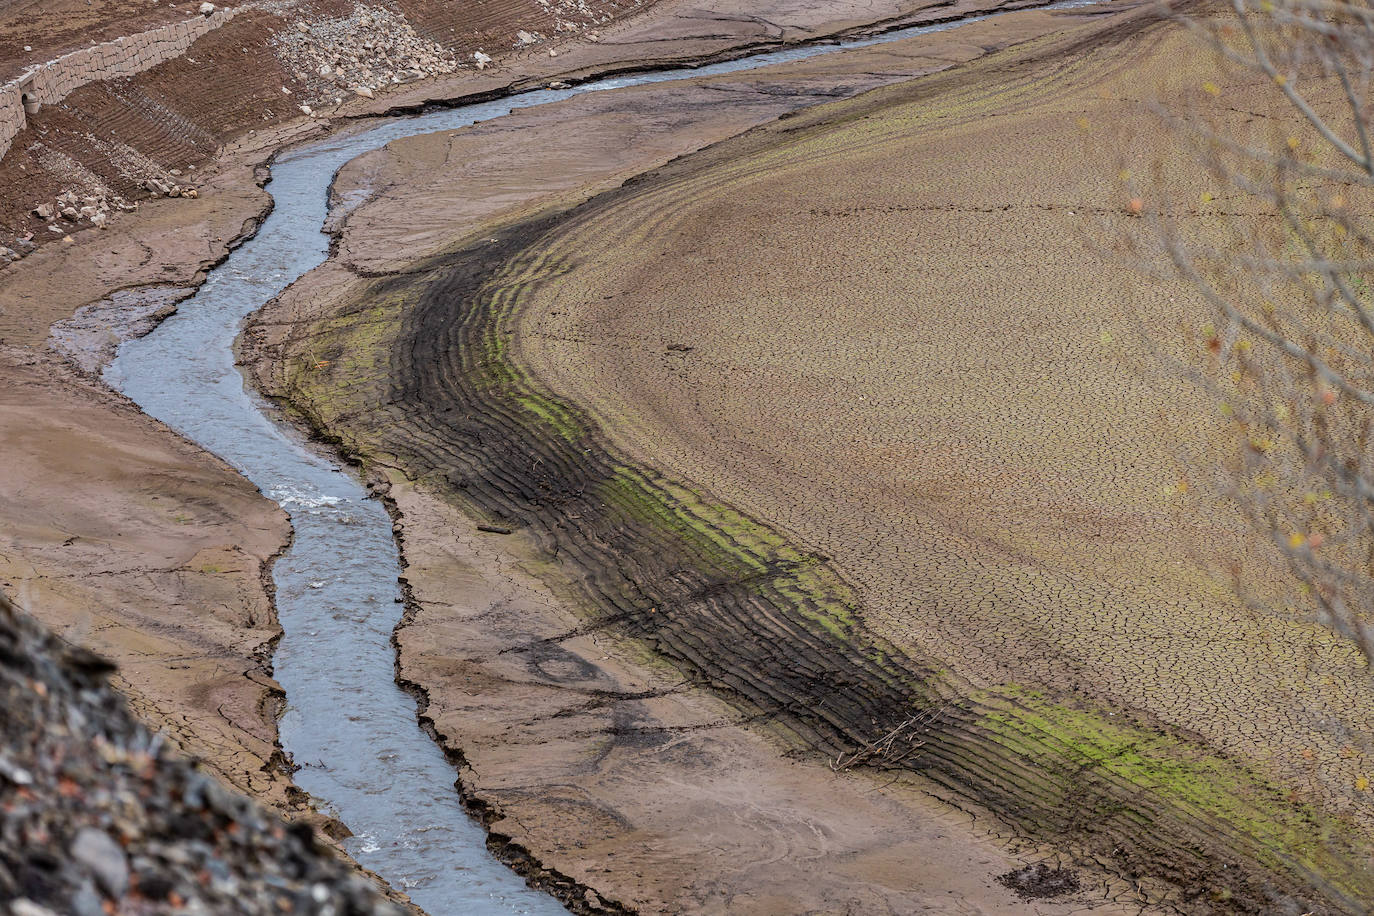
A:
716, 441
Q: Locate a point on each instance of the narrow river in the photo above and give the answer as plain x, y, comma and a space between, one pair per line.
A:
347, 725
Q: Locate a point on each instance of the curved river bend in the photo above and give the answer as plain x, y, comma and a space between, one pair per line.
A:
347, 725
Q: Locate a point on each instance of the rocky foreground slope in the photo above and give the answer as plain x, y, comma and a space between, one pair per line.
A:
98, 815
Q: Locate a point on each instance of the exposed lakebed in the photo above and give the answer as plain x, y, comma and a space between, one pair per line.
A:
347, 725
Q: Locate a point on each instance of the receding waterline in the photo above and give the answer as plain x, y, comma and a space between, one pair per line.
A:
349, 728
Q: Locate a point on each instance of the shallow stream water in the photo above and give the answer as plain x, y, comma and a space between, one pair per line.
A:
347, 725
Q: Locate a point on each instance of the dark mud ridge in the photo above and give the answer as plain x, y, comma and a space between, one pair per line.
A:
419, 373
100, 816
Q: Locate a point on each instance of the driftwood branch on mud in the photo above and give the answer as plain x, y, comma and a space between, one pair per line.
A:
887, 749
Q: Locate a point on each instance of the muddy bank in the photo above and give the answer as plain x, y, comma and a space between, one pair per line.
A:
451, 376
583, 560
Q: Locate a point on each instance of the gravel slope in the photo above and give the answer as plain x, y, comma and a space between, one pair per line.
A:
101, 816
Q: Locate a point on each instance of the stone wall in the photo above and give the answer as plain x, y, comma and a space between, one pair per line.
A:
53, 81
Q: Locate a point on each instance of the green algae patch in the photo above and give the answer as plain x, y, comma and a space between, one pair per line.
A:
1112, 774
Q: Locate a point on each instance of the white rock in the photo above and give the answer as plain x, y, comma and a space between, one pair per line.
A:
43, 211
363, 91
525, 38
100, 220
22, 907
206, 9
481, 59
105, 858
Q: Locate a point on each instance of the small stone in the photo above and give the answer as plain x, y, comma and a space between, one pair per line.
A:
22, 907
363, 91
100, 221
43, 211
206, 9
86, 902
190, 193
303, 28
105, 858
12, 771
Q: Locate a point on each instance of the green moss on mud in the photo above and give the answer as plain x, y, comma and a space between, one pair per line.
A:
1058, 769
1083, 751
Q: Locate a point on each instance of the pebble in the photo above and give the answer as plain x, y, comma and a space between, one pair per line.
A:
104, 857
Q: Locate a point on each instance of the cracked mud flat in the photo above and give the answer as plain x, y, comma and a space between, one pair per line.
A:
721, 447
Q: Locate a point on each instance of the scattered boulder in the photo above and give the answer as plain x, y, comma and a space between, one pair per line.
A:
207, 9
482, 59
